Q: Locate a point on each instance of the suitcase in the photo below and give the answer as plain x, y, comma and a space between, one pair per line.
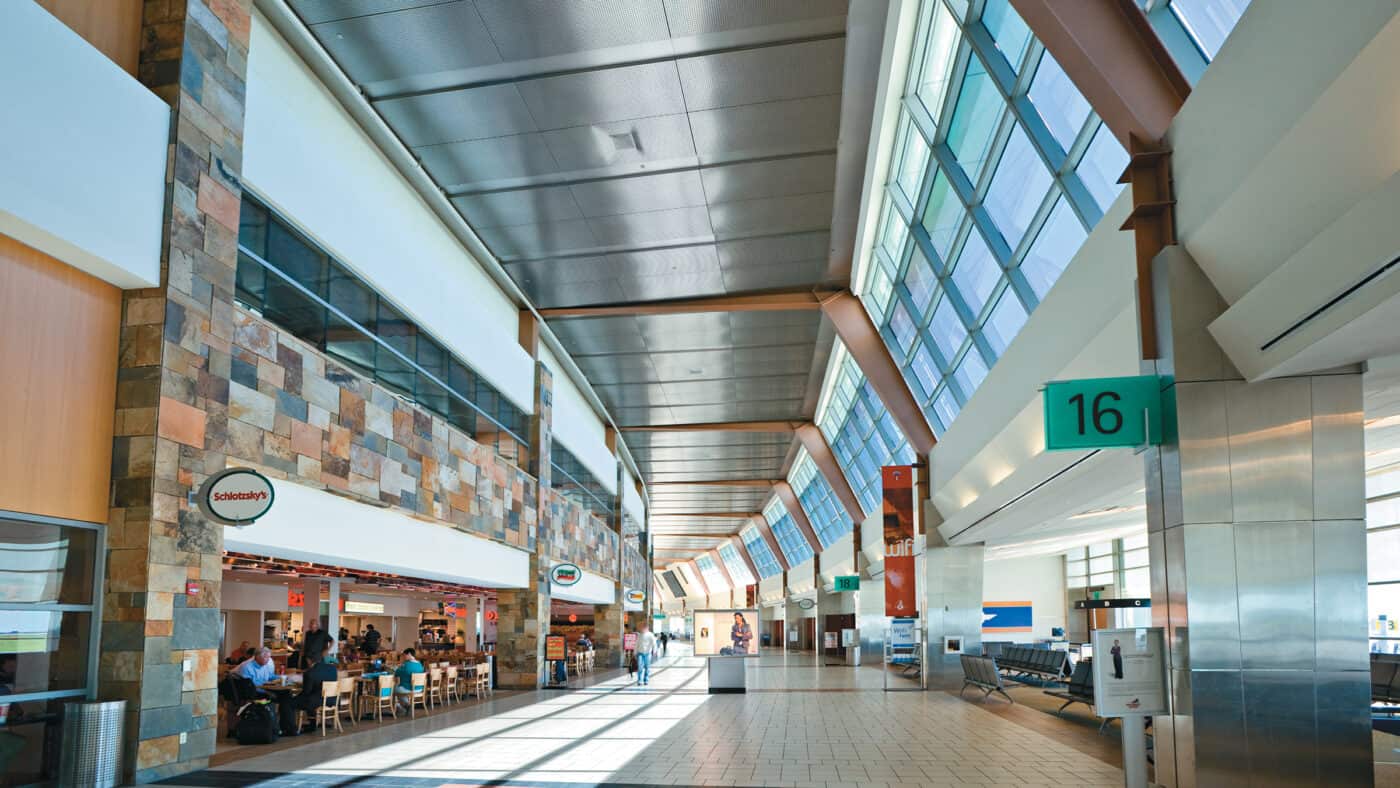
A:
257, 724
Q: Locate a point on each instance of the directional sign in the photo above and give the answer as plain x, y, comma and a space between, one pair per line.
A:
1099, 604
1101, 413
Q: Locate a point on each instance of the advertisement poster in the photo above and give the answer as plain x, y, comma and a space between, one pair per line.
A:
900, 581
1130, 672
829, 639
554, 647
629, 641
902, 633
726, 633
1007, 617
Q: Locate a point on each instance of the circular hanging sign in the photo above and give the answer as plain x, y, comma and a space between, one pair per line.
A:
236, 496
565, 574
806, 604
636, 596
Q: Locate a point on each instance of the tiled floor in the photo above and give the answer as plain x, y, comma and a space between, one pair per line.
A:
799, 725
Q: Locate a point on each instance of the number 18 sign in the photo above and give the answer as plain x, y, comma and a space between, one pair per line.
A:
1099, 413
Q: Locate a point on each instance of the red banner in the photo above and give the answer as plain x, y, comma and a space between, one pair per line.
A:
900, 580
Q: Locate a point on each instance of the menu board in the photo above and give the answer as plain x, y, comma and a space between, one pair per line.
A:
554, 647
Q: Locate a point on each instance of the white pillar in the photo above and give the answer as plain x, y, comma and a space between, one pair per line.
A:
333, 615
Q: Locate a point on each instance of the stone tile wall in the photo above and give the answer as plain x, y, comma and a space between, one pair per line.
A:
581, 537
635, 573
299, 415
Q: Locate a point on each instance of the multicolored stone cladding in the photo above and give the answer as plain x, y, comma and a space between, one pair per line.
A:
634, 569
301, 416
581, 537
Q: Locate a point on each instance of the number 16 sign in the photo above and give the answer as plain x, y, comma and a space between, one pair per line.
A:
1099, 413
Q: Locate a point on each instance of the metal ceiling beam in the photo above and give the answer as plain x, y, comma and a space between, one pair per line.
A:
800, 300
593, 60
1110, 52
798, 514
815, 442
761, 523
660, 535
862, 340
719, 426
581, 177
764, 483
701, 515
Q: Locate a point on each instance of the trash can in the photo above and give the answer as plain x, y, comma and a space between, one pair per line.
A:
92, 744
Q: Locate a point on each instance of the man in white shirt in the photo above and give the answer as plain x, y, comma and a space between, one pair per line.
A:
259, 669
646, 644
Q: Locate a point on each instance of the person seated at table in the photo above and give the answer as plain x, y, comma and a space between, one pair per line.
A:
319, 673
409, 666
239, 654
584, 644
258, 668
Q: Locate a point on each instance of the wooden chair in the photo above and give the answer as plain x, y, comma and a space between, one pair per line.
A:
590, 663
384, 699
419, 694
453, 688
347, 703
436, 696
481, 686
328, 710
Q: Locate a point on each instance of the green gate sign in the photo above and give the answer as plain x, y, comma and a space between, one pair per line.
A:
847, 583
1101, 413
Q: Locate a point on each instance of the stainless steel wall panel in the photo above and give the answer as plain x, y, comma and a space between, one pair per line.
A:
1338, 453
1280, 721
1340, 586
442, 37
1186, 303
1214, 596
678, 285
677, 225
1270, 449
1274, 572
613, 94
1210, 742
523, 29
773, 178
1344, 751
492, 111
751, 252
600, 149
757, 75
1196, 470
525, 241
317, 11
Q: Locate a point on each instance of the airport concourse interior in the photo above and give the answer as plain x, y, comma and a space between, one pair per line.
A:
559, 393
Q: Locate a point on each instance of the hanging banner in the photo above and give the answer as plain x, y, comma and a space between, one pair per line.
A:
900, 582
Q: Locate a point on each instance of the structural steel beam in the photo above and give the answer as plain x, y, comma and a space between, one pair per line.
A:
763, 483
529, 333
798, 514
862, 340
779, 301
815, 442
719, 426
743, 552
1110, 52
761, 523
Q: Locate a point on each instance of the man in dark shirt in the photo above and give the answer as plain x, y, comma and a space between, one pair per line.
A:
371, 641
316, 642
311, 681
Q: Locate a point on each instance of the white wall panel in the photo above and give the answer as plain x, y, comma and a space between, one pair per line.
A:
578, 427
631, 499
83, 147
307, 524
305, 155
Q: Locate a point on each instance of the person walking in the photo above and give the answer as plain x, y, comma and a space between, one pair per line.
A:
664, 638
646, 644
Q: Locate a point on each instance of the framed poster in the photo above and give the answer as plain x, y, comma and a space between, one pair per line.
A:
554, 647
726, 633
629, 641
1130, 672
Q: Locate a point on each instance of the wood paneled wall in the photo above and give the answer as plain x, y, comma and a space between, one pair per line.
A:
58, 382
112, 26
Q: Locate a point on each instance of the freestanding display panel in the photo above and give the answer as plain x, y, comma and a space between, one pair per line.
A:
728, 638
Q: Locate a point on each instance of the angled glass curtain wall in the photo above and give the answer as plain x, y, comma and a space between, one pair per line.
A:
999, 172
738, 570
578, 484
862, 434
763, 558
790, 540
713, 579
291, 282
824, 511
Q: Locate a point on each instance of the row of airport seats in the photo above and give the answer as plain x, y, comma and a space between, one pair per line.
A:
981, 672
1030, 661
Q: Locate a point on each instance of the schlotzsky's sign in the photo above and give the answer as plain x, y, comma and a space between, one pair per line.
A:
236, 496
900, 583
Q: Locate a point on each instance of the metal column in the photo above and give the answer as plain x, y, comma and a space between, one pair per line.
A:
1256, 514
